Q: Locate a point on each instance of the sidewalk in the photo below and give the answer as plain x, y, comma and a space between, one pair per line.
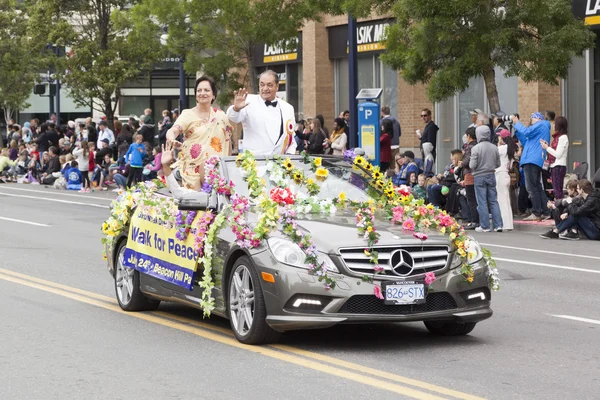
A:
532, 226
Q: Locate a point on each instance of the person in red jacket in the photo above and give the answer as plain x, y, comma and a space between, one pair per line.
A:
385, 144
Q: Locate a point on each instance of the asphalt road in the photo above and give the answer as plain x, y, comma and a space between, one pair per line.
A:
62, 335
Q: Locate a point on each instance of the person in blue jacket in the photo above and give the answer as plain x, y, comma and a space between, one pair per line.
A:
405, 165
74, 177
532, 161
135, 158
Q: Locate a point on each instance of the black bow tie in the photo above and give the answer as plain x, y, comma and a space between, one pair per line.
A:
271, 103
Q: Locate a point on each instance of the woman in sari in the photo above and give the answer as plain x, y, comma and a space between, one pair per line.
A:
206, 132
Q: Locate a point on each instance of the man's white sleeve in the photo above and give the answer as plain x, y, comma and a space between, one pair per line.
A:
176, 189
236, 116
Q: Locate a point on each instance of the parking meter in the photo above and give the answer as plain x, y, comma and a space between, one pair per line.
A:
368, 123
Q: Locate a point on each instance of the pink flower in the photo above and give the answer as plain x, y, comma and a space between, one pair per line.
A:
429, 278
196, 150
378, 269
397, 214
377, 292
409, 224
403, 190
420, 235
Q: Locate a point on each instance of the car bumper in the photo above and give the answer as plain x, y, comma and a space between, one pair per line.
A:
353, 300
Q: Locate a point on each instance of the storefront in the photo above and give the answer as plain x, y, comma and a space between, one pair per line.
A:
372, 73
581, 95
286, 60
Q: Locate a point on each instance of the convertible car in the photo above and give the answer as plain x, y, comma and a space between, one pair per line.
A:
267, 290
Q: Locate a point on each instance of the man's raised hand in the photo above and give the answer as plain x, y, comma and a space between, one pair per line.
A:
239, 99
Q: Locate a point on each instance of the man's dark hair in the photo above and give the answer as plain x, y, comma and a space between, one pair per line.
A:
585, 186
550, 115
346, 112
53, 150
51, 125
81, 125
43, 127
385, 110
471, 133
427, 111
213, 86
103, 123
74, 164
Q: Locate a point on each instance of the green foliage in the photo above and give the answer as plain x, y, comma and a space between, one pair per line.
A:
220, 36
105, 52
444, 43
17, 66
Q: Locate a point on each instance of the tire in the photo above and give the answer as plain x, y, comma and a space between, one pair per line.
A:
450, 328
127, 286
245, 301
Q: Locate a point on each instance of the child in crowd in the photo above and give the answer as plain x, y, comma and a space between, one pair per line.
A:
5, 162
13, 153
151, 169
82, 152
74, 177
419, 190
33, 151
104, 172
165, 120
137, 151
21, 167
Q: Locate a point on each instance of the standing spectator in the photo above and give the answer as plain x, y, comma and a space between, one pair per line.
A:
146, 130
315, 139
27, 135
585, 215
52, 135
148, 114
104, 133
300, 129
557, 155
532, 161
346, 116
385, 144
322, 121
506, 149
125, 136
484, 161
42, 140
82, 152
385, 114
428, 140
498, 124
137, 151
469, 181
338, 140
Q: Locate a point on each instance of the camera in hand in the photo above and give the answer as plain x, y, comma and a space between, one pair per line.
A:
508, 118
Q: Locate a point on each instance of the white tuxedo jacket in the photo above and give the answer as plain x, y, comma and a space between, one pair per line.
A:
263, 130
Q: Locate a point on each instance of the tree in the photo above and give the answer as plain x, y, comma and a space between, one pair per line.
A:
219, 36
104, 52
444, 43
17, 68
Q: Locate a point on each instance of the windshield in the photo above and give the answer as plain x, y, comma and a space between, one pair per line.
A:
342, 178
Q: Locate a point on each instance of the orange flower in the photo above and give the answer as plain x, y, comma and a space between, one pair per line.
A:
215, 143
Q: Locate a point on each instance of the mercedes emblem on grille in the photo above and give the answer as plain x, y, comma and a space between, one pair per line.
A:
402, 262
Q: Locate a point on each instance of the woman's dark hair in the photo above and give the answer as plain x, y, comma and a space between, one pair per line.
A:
585, 186
320, 118
511, 147
43, 127
561, 126
387, 126
213, 86
471, 133
341, 122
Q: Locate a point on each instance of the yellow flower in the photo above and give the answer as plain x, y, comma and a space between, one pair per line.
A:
380, 184
429, 206
462, 253
452, 236
377, 175
367, 253
443, 230
321, 174
472, 254
369, 229
368, 166
317, 161
360, 161
342, 196
470, 279
298, 177
310, 181
287, 164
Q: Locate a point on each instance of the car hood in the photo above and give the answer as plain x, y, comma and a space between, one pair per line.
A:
331, 232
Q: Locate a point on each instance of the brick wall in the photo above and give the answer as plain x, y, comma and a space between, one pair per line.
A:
537, 96
411, 100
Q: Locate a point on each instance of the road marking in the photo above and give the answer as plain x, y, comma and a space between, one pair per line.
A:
60, 193
334, 361
540, 251
589, 321
51, 199
183, 324
24, 222
594, 271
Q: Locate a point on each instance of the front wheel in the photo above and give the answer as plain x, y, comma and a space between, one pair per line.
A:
127, 286
450, 328
246, 305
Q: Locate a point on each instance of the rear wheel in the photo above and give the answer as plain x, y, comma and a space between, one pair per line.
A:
246, 305
127, 286
450, 328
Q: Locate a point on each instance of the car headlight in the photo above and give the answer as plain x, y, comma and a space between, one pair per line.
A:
474, 253
288, 252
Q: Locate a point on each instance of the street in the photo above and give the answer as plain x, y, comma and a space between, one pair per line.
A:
65, 337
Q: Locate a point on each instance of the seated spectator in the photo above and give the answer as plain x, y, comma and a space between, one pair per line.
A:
419, 191
5, 162
405, 164
74, 177
152, 169
446, 186
13, 152
559, 207
584, 215
52, 168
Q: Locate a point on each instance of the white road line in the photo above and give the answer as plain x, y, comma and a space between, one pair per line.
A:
590, 321
24, 222
594, 271
539, 251
56, 200
57, 192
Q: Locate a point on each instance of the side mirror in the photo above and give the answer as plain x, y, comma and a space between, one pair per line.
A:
194, 201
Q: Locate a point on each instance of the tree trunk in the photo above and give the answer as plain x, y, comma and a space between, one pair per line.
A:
108, 111
489, 77
253, 75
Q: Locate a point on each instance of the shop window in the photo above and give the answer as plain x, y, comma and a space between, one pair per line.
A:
134, 105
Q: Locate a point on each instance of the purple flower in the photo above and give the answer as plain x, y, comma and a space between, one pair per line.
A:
206, 187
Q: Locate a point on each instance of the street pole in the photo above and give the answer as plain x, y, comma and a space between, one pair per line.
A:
353, 81
57, 93
183, 100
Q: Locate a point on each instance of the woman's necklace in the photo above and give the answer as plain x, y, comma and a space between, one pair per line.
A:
204, 116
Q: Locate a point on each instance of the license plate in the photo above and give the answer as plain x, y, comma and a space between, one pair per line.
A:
409, 292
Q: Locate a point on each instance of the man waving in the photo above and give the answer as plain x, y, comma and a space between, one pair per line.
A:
268, 122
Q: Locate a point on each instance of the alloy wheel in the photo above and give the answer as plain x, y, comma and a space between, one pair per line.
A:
124, 279
241, 300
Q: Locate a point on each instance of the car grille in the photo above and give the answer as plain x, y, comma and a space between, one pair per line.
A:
425, 259
369, 304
